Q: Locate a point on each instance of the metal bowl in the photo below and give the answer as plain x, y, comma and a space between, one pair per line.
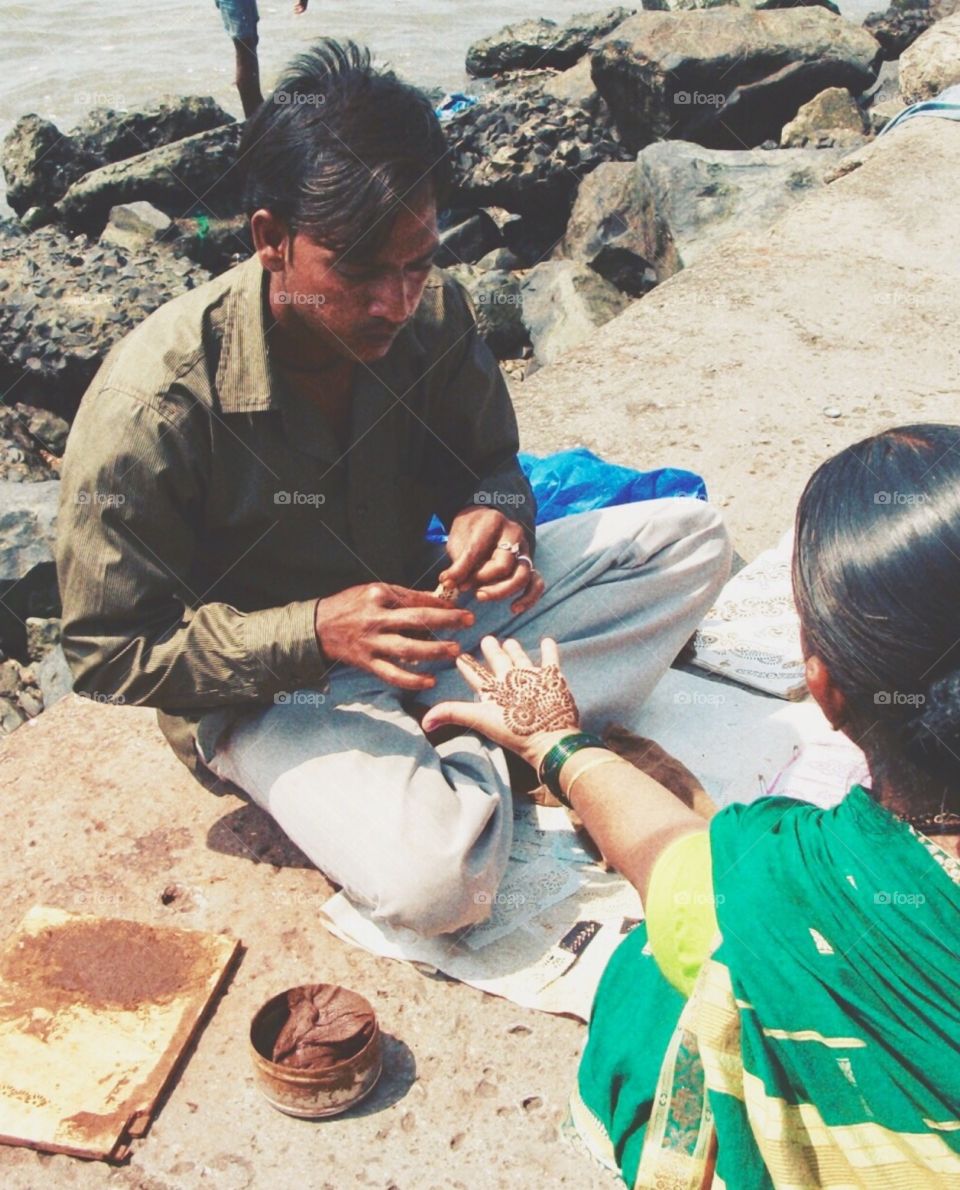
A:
319, 1091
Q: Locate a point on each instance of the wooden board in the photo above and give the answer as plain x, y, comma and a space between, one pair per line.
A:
94, 1015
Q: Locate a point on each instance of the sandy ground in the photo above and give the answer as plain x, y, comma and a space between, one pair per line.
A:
851, 302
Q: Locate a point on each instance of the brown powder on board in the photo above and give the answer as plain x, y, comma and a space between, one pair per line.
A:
100, 963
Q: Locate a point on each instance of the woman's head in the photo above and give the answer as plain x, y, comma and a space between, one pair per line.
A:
876, 576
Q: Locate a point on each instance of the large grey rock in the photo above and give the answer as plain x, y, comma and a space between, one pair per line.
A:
28, 518
563, 304
678, 201
850, 300
830, 120
64, 303
574, 87
134, 225
112, 135
195, 173
498, 305
40, 162
540, 43
523, 150
724, 77
932, 63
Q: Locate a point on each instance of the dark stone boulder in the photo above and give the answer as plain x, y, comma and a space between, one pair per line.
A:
188, 176
541, 43
899, 26
110, 135
40, 162
726, 78
526, 151
64, 303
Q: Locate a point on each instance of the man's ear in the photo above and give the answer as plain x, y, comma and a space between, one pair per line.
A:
271, 239
828, 697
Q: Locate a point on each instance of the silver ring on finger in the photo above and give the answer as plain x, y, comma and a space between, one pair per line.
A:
526, 560
512, 547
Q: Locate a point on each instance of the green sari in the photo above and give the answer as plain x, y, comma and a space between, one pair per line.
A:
820, 1046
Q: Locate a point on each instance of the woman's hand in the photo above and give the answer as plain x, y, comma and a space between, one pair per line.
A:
523, 707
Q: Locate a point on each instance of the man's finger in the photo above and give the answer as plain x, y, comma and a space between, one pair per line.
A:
395, 596
395, 676
428, 619
530, 596
499, 566
516, 584
408, 650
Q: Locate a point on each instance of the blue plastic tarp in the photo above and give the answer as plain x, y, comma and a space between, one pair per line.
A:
577, 480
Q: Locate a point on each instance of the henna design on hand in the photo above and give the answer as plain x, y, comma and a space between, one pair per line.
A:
533, 700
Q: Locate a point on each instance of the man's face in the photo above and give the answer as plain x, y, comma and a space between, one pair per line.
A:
358, 303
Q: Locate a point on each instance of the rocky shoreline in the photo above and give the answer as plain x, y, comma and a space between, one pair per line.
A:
593, 161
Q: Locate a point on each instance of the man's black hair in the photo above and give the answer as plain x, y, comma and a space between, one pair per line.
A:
340, 147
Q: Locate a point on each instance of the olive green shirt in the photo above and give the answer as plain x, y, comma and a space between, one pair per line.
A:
205, 506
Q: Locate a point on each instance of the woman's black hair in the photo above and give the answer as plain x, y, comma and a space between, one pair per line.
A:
876, 575
339, 146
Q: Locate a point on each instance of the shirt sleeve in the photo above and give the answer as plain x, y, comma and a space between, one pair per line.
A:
680, 913
133, 490
474, 418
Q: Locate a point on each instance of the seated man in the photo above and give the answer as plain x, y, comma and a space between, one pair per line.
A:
245, 496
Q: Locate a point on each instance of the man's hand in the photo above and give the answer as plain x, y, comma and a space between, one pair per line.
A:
382, 628
488, 552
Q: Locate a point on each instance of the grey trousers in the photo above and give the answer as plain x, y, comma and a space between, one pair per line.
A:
421, 835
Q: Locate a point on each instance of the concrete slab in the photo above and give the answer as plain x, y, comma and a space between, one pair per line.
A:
849, 304
99, 816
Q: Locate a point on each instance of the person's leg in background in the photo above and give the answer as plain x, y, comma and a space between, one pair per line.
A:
240, 19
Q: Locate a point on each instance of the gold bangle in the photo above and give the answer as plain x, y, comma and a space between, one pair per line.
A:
594, 764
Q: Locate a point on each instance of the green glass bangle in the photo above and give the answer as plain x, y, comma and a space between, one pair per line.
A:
559, 754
